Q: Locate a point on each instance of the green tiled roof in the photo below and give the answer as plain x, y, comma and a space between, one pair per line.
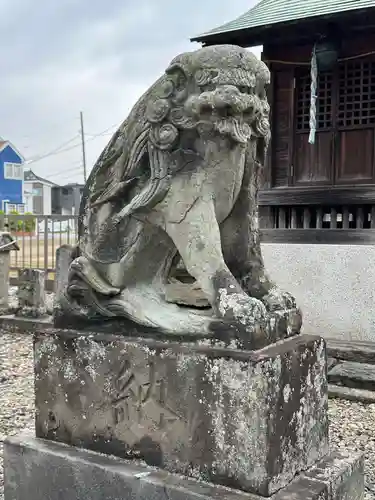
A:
268, 12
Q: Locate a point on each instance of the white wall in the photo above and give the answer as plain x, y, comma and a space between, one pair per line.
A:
47, 200
65, 211
28, 196
333, 284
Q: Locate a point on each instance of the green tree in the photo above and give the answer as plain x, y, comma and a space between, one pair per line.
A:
25, 224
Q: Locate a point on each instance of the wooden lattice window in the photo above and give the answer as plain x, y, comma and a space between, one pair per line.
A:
356, 94
323, 103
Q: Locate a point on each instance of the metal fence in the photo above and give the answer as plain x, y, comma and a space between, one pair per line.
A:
38, 238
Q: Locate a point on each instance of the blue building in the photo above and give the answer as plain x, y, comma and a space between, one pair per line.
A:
11, 178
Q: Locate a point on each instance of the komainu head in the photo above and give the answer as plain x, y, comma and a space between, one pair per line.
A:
212, 94
218, 90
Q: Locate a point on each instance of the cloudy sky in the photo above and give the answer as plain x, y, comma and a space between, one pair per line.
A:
63, 56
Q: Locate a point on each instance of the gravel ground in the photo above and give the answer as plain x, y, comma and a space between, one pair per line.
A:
16, 388
352, 424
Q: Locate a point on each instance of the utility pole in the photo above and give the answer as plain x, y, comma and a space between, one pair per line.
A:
83, 148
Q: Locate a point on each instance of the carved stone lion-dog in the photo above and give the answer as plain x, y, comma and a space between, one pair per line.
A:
179, 181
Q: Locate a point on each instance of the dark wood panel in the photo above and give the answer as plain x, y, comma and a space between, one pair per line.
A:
355, 155
317, 196
303, 158
312, 162
356, 44
266, 217
319, 236
266, 173
289, 53
282, 127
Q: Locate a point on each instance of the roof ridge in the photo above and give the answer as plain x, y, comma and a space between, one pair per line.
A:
38, 177
273, 12
237, 18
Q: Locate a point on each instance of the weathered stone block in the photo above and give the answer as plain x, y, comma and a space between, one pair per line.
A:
4, 281
344, 478
35, 469
64, 257
7, 243
352, 374
246, 419
31, 293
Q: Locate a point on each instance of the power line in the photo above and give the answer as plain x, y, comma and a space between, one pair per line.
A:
58, 177
67, 180
105, 132
66, 171
53, 152
58, 150
75, 164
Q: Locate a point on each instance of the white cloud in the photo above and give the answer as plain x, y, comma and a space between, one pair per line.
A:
95, 56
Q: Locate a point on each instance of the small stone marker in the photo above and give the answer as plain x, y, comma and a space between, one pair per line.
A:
64, 257
7, 243
31, 293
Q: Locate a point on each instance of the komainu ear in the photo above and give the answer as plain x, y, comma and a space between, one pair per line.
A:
180, 70
178, 75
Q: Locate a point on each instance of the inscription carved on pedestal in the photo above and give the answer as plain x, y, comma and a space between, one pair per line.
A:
139, 404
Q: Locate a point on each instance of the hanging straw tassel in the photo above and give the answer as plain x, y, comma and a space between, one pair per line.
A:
313, 91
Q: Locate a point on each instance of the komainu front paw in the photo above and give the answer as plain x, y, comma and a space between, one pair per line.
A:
282, 308
246, 310
241, 322
278, 300
252, 323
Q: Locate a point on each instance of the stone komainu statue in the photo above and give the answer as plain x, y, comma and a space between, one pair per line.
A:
179, 181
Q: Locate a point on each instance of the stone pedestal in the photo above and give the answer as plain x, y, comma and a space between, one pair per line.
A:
246, 419
36, 469
7, 243
63, 260
180, 420
31, 293
4, 281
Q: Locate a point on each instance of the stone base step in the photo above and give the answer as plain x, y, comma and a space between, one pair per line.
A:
357, 351
36, 468
361, 395
331, 362
354, 375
